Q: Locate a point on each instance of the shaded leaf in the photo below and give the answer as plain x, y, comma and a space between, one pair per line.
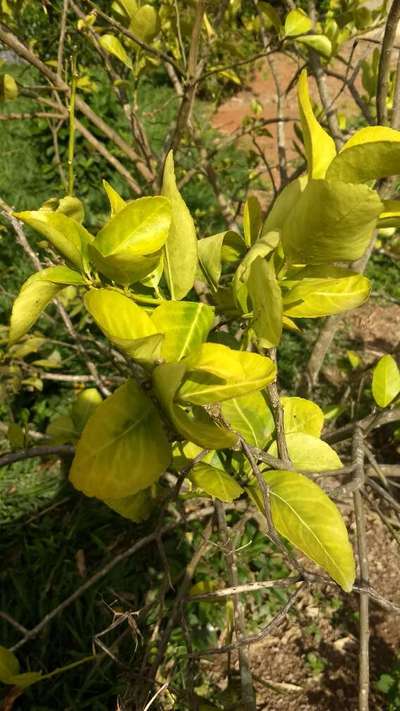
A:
84, 406
251, 417
263, 247
224, 247
266, 298
252, 220
215, 482
136, 507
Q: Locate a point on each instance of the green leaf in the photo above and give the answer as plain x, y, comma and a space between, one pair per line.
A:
15, 436
141, 227
180, 251
215, 482
124, 267
26, 679
217, 373
127, 8
319, 43
123, 448
36, 293
185, 324
385, 381
264, 246
124, 323
272, 16
9, 665
302, 415
324, 290
117, 203
266, 299
319, 146
372, 153
305, 515
309, 453
112, 45
390, 217
61, 430
297, 23
145, 23
68, 237
136, 507
84, 406
251, 417
70, 206
252, 220
8, 88
195, 426
222, 248
283, 205
331, 221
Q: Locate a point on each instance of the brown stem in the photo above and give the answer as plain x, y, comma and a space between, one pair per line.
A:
61, 450
61, 40
384, 61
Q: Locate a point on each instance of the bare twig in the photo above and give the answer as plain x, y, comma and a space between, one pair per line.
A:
61, 41
60, 450
384, 61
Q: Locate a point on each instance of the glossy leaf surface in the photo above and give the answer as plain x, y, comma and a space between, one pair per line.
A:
185, 325
309, 453
385, 381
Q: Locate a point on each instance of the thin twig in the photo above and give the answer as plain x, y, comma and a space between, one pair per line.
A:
384, 61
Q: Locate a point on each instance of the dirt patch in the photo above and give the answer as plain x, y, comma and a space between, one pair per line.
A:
310, 663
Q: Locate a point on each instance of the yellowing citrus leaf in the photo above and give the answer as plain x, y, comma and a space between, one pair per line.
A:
251, 417
324, 290
117, 203
302, 415
8, 88
185, 326
84, 406
180, 251
215, 482
331, 221
145, 23
372, 153
125, 323
297, 23
319, 43
320, 147
309, 453
263, 247
252, 220
222, 248
216, 373
123, 448
385, 381
136, 507
112, 45
266, 299
305, 515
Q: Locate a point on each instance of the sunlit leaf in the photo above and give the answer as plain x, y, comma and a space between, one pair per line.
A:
185, 324
84, 406
145, 23
319, 43
385, 381
331, 221
195, 425
251, 417
215, 482
297, 23
8, 88
217, 373
123, 448
180, 251
263, 247
125, 323
217, 250
320, 147
302, 415
117, 203
36, 293
266, 299
112, 45
306, 516
309, 453
372, 153
324, 290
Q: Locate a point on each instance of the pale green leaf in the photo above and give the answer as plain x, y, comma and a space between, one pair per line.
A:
145, 23
141, 226
263, 247
309, 453
325, 290
302, 415
305, 515
251, 417
215, 482
124, 323
217, 373
123, 448
70, 206
127, 8
252, 220
112, 45
385, 381
180, 251
9, 665
266, 299
136, 507
36, 293
61, 430
185, 326
68, 237
84, 406
319, 146
195, 426
319, 43
222, 248
8, 88
297, 23
117, 203
124, 267
331, 221
372, 153
283, 205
